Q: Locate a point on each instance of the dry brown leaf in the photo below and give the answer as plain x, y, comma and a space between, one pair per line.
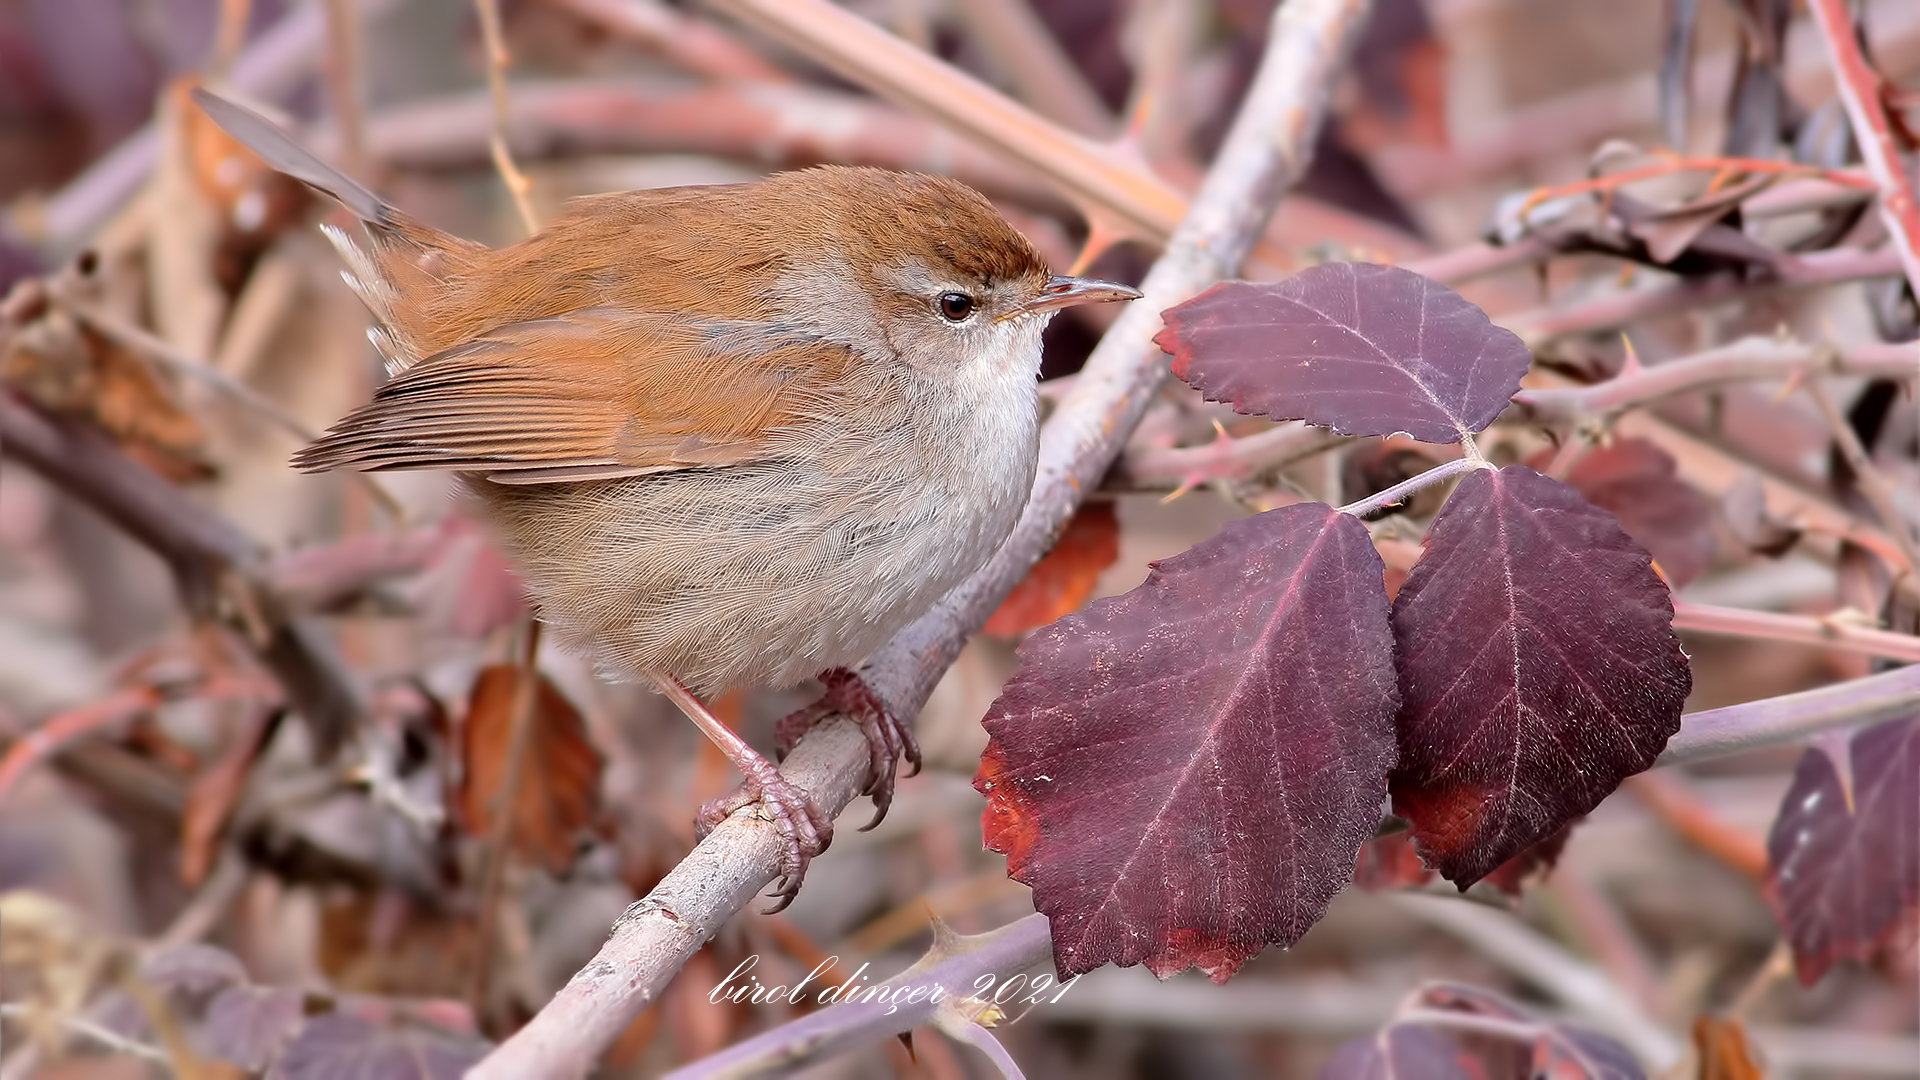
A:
1721, 1043
1061, 582
60, 365
388, 943
253, 202
557, 796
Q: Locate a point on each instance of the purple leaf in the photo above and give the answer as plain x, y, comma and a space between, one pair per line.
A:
193, 969
337, 1046
1846, 878
1396, 1052
1538, 669
1639, 483
1185, 774
247, 1025
1531, 1046
1359, 348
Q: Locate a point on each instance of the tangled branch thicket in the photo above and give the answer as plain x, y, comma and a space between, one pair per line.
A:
291, 784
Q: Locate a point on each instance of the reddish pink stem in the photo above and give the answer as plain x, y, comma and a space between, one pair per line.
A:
1860, 91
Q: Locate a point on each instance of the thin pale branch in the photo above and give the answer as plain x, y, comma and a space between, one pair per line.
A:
1791, 718
1396, 494
1715, 472
1617, 309
1801, 629
90, 1029
846, 1026
274, 65
1746, 360
689, 42
344, 85
1265, 153
1526, 952
209, 557
1231, 460
1118, 195
518, 186
1046, 77
782, 126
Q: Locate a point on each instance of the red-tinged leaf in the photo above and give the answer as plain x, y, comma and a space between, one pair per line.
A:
341, 1047
1538, 669
1185, 773
1389, 862
1535, 862
1845, 874
558, 790
1061, 582
1549, 1051
1356, 347
1398, 1052
1640, 483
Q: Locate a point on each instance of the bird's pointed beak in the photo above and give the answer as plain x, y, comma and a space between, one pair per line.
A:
1062, 291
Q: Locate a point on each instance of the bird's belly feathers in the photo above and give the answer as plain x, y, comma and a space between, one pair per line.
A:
767, 573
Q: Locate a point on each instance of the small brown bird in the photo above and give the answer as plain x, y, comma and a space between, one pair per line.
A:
735, 435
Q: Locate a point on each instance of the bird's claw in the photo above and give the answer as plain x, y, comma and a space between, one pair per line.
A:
805, 829
888, 738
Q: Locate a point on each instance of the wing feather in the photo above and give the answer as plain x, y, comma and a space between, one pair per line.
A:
592, 394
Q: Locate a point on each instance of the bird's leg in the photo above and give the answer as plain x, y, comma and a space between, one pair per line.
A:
888, 738
805, 828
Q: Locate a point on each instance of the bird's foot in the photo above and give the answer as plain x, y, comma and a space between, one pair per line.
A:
888, 738
805, 828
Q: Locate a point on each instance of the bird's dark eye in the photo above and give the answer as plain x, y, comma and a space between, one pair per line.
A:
955, 306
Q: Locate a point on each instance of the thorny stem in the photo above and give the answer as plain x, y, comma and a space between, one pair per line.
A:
1860, 90
849, 1024
1720, 166
982, 1039
1380, 500
1233, 460
1749, 359
1792, 718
